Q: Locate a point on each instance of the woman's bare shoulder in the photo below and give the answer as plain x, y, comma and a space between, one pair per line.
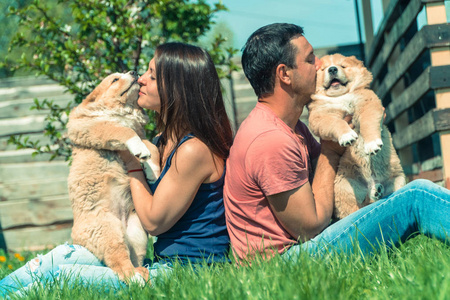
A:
194, 150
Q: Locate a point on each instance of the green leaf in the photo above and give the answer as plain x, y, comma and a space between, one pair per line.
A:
78, 42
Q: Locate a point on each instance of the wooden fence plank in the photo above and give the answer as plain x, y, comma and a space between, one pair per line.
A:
28, 124
398, 30
409, 96
442, 119
391, 15
31, 171
431, 78
386, 22
24, 156
37, 238
434, 120
414, 132
405, 60
33, 91
21, 108
33, 189
40, 212
440, 76
422, 40
4, 146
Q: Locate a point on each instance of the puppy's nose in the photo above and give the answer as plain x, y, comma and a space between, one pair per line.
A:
132, 73
332, 70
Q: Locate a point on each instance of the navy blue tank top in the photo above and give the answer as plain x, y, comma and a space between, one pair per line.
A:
201, 233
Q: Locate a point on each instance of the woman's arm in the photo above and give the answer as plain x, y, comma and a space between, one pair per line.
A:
192, 165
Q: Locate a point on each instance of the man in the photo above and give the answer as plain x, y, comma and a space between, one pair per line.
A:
271, 201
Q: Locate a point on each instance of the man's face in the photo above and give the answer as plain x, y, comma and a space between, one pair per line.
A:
304, 74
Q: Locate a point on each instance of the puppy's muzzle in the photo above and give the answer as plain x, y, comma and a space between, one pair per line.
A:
134, 74
332, 70
135, 78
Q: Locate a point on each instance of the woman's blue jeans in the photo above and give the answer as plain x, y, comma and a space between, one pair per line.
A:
419, 207
72, 264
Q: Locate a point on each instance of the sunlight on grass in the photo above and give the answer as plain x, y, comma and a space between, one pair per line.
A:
418, 269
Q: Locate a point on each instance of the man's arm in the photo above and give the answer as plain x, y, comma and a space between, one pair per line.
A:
305, 211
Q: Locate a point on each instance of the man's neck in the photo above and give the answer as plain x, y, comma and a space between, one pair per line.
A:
285, 108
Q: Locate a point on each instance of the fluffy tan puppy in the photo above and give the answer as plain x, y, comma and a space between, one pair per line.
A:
105, 222
370, 168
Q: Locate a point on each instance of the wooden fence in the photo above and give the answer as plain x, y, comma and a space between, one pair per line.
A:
411, 69
35, 211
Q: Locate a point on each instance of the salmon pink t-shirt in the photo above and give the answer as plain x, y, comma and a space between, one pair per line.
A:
267, 158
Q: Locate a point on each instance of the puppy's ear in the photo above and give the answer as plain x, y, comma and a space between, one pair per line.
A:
356, 61
91, 97
367, 78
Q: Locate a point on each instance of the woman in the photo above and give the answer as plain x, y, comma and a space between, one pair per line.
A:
184, 207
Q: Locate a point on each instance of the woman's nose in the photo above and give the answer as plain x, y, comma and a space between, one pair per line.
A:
141, 80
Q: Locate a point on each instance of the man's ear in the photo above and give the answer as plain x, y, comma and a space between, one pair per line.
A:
283, 74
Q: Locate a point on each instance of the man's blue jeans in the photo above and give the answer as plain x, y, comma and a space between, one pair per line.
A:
419, 207
72, 264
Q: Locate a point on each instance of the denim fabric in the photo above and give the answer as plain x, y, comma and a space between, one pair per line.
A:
75, 265
419, 207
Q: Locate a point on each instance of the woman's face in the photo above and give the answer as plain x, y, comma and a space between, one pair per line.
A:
148, 94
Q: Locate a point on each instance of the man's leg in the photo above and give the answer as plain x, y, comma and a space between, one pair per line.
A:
420, 206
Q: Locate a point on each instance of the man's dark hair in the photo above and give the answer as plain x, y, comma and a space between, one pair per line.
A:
264, 50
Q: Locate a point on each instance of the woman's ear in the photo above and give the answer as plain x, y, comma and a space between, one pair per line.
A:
282, 72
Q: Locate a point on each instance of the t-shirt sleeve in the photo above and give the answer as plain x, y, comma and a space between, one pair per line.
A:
275, 163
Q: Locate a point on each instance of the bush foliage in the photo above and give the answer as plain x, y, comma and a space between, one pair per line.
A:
78, 42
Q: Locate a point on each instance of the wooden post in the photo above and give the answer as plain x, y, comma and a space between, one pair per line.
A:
368, 24
386, 4
405, 154
440, 57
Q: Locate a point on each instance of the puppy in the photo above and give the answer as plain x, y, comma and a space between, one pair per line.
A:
370, 168
105, 222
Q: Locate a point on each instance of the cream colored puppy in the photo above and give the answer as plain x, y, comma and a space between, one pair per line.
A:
370, 168
105, 222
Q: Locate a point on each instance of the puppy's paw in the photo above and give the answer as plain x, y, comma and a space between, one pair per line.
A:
140, 277
138, 148
137, 279
372, 148
377, 191
348, 138
152, 171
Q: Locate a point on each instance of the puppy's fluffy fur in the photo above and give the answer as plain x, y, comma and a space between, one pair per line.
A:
105, 222
370, 168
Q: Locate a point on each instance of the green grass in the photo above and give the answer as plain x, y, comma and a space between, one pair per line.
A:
418, 269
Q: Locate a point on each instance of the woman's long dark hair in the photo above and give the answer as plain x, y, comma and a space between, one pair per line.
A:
191, 98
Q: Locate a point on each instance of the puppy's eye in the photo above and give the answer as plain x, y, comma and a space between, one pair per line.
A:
344, 66
115, 79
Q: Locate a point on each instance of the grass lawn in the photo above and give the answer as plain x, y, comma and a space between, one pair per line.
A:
418, 269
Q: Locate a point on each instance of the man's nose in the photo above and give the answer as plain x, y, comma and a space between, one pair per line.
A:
318, 63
